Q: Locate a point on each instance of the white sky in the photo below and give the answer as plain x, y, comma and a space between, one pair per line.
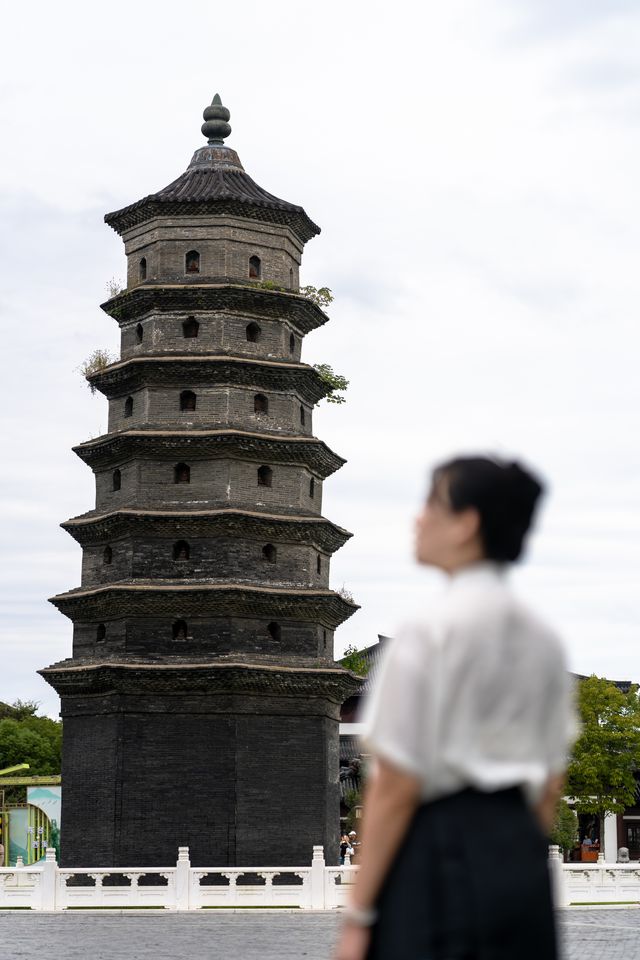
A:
473, 165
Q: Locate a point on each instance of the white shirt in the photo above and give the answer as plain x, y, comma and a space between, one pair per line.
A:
476, 694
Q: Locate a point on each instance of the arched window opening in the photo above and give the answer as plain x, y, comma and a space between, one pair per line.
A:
292, 343
255, 268
190, 327
142, 269
302, 415
260, 403
179, 630
181, 550
291, 278
274, 631
139, 333
254, 332
101, 632
319, 563
128, 406
182, 473
265, 476
269, 553
187, 400
116, 480
312, 488
107, 555
192, 262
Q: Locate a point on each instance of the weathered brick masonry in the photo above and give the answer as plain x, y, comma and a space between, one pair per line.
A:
201, 701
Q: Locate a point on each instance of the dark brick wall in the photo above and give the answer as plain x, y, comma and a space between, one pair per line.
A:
214, 558
240, 781
220, 406
218, 333
214, 483
225, 247
90, 771
207, 636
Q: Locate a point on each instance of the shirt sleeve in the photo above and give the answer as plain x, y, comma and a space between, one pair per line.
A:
395, 715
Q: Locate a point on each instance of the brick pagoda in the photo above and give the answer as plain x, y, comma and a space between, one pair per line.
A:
201, 703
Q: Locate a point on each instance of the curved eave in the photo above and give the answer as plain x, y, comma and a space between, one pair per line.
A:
237, 444
71, 677
150, 207
246, 299
316, 531
171, 598
128, 375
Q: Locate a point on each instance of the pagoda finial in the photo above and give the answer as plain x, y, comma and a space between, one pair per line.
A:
216, 126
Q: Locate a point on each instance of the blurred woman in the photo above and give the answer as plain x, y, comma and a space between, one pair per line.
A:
470, 723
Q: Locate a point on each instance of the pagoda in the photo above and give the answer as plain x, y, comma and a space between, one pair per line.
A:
201, 703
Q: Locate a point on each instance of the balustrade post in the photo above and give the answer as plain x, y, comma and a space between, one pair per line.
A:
182, 890
317, 878
48, 880
556, 869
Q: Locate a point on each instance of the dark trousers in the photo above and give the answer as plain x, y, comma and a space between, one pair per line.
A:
470, 882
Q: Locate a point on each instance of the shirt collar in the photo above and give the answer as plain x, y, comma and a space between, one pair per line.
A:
483, 572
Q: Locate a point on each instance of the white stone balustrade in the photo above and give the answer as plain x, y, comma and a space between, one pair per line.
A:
46, 886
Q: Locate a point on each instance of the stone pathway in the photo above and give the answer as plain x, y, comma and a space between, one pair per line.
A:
274, 935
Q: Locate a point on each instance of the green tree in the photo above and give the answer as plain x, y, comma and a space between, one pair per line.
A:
607, 753
354, 660
28, 738
565, 827
353, 800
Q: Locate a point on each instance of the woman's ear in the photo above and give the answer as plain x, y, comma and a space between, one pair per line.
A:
467, 523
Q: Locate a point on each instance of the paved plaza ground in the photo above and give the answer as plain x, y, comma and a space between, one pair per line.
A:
252, 935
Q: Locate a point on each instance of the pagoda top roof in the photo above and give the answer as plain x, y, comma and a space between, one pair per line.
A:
215, 182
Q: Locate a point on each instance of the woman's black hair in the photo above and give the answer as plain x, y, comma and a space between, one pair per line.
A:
504, 494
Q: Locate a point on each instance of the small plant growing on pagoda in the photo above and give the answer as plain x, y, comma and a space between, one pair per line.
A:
336, 384
96, 361
114, 287
345, 594
321, 296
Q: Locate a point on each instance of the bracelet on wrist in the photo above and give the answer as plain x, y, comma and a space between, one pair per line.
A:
360, 916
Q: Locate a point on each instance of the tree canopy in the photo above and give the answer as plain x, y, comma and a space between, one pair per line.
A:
354, 660
28, 738
607, 753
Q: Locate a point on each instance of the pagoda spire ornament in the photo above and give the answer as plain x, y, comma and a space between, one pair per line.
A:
216, 126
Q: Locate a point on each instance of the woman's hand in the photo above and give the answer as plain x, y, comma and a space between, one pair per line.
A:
353, 942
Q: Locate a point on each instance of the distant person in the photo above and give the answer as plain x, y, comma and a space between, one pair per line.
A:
355, 843
344, 847
469, 724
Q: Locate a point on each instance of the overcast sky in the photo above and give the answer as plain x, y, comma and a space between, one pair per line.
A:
474, 168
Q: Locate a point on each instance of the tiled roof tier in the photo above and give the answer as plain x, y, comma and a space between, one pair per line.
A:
240, 445
71, 677
129, 375
245, 299
172, 598
315, 531
215, 183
